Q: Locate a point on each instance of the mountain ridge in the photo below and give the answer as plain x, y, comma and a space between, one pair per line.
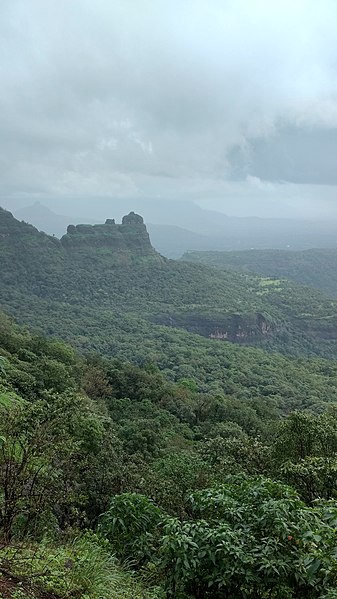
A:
109, 276
315, 267
179, 226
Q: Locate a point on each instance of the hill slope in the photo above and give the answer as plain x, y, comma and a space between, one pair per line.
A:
104, 286
315, 267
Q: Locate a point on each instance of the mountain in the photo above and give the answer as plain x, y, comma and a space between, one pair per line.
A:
46, 220
179, 226
102, 284
314, 267
110, 243
111, 276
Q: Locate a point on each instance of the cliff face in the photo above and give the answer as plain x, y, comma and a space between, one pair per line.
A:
109, 242
117, 242
237, 328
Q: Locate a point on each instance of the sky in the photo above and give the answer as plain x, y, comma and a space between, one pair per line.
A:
232, 104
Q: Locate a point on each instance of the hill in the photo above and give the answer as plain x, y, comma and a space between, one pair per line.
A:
104, 286
170, 240
47, 220
315, 267
104, 463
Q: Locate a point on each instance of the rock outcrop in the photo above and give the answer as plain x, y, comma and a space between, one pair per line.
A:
118, 242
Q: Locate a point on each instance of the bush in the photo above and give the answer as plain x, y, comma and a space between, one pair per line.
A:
252, 538
132, 524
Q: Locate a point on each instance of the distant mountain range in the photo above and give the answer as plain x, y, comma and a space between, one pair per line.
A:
177, 227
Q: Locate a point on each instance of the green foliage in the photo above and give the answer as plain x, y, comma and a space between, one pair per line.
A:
174, 476
84, 567
304, 453
51, 454
249, 538
131, 524
314, 267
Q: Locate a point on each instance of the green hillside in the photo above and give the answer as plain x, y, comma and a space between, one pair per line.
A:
168, 458
116, 483
104, 287
315, 268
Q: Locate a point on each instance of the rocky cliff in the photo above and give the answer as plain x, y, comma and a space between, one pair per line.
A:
110, 241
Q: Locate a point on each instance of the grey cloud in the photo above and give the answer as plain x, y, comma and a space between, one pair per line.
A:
297, 155
166, 98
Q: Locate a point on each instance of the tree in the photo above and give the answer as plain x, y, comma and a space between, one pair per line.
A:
305, 454
132, 524
58, 461
35, 459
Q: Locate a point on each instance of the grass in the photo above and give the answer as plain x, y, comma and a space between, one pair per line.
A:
83, 568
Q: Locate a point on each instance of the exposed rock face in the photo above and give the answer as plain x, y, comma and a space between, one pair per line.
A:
118, 243
237, 328
132, 219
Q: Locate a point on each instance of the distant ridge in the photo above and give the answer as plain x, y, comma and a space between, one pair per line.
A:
108, 279
180, 226
110, 242
315, 267
46, 220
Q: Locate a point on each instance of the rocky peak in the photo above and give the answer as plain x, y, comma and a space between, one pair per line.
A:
116, 242
132, 219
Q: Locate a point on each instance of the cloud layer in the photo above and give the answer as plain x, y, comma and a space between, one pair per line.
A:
174, 99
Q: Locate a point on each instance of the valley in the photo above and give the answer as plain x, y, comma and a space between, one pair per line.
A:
184, 384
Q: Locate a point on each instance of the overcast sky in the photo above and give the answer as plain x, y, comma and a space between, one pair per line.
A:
230, 103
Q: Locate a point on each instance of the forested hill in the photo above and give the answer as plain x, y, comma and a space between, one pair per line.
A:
103, 463
315, 268
119, 458
104, 287
27, 246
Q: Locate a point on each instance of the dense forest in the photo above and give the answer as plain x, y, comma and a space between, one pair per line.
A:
314, 268
162, 453
104, 287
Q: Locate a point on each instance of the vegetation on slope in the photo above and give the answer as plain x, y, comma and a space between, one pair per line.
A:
80, 436
209, 468
314, 268
86, 284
